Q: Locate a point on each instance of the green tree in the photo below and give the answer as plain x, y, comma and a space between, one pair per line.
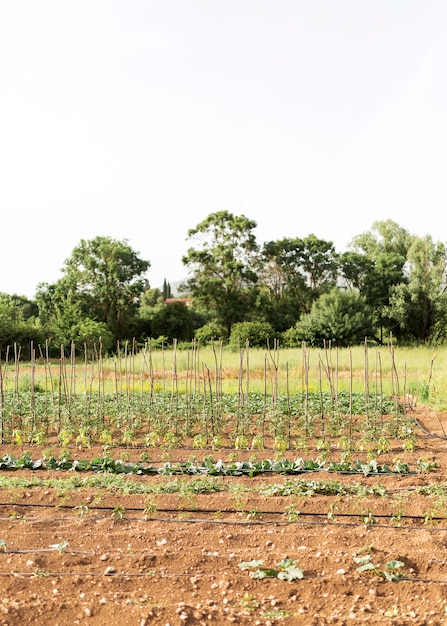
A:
419, 306
167, 293
64, 313
152, 298
172, 321
19, 323
110, 274
319, 264
222, 268
380, 256
384, 237
293, 273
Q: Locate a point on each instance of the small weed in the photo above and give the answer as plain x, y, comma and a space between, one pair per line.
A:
249, 603
392, 612
331, 514
276, 614
424, 466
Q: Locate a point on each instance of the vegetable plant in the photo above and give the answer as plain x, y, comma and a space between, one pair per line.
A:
286, 569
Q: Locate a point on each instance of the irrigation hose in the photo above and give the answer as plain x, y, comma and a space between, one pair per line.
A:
257, 512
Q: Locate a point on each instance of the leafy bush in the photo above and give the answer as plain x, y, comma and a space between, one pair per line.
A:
209, 332
256, 333
340, 317
173, 321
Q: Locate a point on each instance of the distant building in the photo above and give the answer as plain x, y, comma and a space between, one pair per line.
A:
185, 301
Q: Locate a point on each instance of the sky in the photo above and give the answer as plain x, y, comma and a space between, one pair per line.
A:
136, 119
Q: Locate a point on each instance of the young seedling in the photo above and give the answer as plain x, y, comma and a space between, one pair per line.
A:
83, 509
292, 513
249, 603
118, 512
392, 571
284, 570
60, 547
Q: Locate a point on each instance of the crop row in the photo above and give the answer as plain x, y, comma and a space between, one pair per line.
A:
208, 466
163, 418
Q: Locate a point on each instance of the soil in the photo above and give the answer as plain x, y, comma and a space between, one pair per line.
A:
92, 555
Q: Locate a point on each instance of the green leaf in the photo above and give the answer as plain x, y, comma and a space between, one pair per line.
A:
248, 564
291, 573
362, 559
366, 567
395, 564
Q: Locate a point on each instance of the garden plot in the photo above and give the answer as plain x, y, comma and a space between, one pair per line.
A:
248, 535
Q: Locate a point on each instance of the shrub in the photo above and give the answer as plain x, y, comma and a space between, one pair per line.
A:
340, 317
256, 333
209, 332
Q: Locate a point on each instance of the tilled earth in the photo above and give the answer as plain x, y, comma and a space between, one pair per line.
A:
97, 555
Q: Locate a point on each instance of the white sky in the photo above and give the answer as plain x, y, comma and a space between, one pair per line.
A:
135, 119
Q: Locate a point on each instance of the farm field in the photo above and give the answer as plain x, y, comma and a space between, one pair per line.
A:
272, 506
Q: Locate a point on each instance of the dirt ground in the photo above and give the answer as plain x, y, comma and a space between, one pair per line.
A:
99, 556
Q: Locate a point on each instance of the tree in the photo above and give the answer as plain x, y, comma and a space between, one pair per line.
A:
340, 317
384, 237
293, 273
172, 321
64, 313
319, 263
419, 306
110, 275
222, 268
167, 293
18, 322
384, 250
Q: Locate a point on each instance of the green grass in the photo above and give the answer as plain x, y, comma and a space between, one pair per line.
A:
421, 371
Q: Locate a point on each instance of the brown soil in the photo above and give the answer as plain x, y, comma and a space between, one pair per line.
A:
177, 562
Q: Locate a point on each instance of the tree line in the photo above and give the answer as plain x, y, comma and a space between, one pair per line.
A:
293, 290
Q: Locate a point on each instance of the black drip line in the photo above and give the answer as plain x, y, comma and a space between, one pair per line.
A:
247, 522
428, 433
